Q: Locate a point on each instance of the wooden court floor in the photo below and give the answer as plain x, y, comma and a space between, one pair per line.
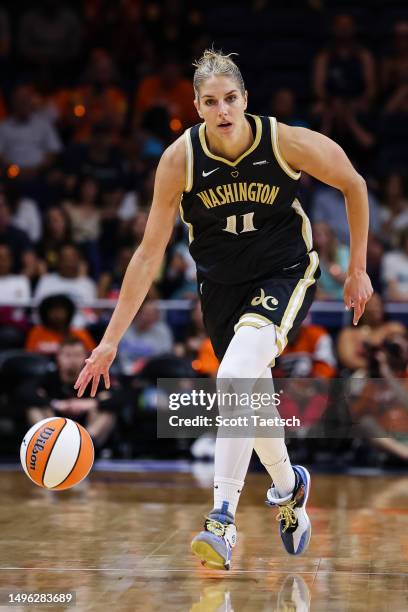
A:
121, 542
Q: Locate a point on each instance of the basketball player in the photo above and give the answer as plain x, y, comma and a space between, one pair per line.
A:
234, 178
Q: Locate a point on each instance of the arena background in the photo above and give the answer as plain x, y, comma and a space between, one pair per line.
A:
91, 93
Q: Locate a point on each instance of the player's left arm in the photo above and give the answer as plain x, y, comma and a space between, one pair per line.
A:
322, 158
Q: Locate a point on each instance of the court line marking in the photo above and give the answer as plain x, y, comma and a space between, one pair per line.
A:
159, 546
188, 570
317, 569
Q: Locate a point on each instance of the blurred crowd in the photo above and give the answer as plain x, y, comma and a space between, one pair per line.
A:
92, 92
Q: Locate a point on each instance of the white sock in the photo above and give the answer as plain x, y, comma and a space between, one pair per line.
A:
281, 472
273, 453
226, 494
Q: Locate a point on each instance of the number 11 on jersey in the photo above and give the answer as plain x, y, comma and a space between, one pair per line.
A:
247, 224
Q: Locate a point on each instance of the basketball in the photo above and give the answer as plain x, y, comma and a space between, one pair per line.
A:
57, 453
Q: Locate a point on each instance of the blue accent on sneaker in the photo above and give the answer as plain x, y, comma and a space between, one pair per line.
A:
213, 546
294, 524
223, 512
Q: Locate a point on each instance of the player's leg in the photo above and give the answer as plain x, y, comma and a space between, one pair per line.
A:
272, 451
247, 356
285, 301
290, 484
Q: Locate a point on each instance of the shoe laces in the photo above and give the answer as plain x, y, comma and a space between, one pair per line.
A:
215, 527
287, 513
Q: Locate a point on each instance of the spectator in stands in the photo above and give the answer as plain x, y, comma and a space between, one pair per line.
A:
381, 407
344, 87
375, 253
344, 72
307, 360
98, 100
395, 270
328, 207
49, 35
98, 158
148, 336
333, 258
25, 211
283, 107
84, 213
110, 282
394, 69
168, 88
130, 41
197, 347
56, 313
179, 280
13, 287
308, 354
138, 228
54, 395
394, 210
57, 233
393, 126
28, 140
354, 343
16, 239
150, 137
68, 279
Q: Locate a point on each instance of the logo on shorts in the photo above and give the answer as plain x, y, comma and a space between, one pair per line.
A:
263, 300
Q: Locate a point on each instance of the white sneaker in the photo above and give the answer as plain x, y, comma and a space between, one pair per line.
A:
295, 528
214, 545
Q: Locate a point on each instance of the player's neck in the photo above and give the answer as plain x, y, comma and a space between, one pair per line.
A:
231, 148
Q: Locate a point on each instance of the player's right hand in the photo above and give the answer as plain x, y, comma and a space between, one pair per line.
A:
96, 365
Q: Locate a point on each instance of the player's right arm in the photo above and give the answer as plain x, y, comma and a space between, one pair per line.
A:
144, 265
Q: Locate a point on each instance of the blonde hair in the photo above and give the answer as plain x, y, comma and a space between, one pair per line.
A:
216, 63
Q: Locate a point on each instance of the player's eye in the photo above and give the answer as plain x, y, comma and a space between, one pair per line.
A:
209, 102
232, 98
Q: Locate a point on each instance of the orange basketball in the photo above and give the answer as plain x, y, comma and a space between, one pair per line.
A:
57, 453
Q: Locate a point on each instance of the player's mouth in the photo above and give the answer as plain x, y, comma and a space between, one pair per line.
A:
224, 126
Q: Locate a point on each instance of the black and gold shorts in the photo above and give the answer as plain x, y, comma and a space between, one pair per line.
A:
283, 300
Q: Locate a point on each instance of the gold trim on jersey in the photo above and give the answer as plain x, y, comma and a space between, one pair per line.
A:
306, 227
252, 319
257, 139
189, 161
294, 174
296, 301
189, 225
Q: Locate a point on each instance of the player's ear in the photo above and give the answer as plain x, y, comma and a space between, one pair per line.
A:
246, 99
197, 105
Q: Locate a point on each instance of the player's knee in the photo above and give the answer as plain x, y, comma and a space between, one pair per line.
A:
236, 369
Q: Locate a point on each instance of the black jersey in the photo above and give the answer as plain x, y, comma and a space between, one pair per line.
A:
244, 219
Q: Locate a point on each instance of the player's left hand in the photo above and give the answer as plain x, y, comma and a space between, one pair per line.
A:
357, 291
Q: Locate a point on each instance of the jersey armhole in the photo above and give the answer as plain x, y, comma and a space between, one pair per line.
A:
294, 174
189, 161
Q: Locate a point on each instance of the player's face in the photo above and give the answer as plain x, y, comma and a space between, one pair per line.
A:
221, 104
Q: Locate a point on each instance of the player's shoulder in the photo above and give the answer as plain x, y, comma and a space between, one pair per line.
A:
292, 134
172, 168
175, 154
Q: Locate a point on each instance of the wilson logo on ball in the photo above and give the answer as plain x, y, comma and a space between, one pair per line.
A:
40, 444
